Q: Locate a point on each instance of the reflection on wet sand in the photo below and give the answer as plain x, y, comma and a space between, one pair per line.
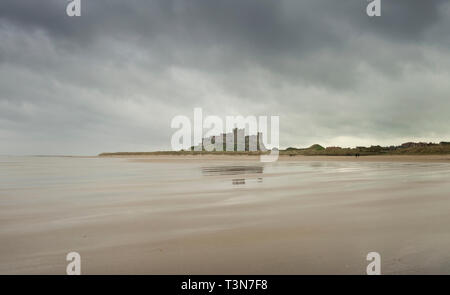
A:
176, 217
238, 181
234, 170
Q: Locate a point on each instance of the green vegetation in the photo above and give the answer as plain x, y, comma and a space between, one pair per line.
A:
409, 148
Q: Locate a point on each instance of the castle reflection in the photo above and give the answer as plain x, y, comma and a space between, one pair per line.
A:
234, 170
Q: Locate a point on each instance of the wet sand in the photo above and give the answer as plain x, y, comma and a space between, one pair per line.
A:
225, 215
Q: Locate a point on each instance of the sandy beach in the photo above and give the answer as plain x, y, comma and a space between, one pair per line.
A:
225, 215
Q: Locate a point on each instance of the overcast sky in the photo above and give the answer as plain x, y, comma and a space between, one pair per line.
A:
113, 78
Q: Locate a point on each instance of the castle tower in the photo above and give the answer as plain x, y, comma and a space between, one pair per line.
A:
258, 148
235, 137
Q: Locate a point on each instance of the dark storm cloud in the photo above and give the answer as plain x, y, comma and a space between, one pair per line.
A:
258, 21
113, 78
269, 33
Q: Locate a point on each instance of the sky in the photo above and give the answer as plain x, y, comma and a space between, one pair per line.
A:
113, 78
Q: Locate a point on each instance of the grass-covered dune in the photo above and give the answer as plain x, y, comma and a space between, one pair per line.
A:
409, 148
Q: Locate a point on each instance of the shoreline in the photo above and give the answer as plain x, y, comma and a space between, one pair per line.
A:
443, 158
208, 157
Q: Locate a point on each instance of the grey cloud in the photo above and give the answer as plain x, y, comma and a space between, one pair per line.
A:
113, 78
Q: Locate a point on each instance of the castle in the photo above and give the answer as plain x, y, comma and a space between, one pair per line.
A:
233, 141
